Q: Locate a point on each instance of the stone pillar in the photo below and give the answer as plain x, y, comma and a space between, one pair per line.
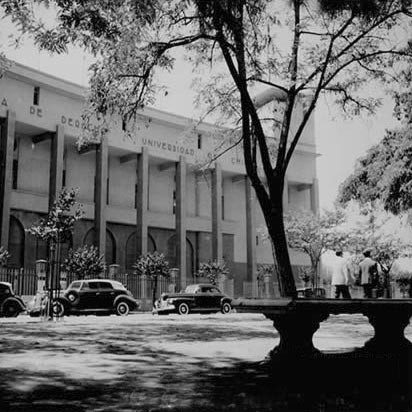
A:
113, 271
314, 196
142, 201
285, 194
251, 236
56, 164
181, 219
101, 195
217, 246
41, 269
173, 276
7, 132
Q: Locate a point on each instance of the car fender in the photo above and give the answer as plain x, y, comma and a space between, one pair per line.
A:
225, 299
125, 298
65, 302
15, 299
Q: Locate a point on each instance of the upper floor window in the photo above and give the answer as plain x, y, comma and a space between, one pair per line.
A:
199, 141
36, 96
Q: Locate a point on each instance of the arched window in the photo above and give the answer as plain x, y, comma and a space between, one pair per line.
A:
16, 243
131, 249
171, 255
110, 252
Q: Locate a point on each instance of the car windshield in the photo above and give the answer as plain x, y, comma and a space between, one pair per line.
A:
117, 285
191, 288
75, 285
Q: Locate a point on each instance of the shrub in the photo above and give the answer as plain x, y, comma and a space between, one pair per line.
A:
212, 271
85, 262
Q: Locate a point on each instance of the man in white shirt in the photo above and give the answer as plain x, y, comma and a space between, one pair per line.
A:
341, 276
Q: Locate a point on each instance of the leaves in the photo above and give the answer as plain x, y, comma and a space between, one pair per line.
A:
59, 223
153, 265
4, 255
212, 270
85, 262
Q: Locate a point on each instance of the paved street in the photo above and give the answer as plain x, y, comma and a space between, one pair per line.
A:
143, 362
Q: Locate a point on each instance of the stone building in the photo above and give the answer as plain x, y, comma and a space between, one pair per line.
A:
140, 189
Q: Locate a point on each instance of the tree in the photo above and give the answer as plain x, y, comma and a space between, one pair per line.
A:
372, 228
384, 174
56, 228
4, 255
331, 46
85, 262
212, 271
314, 235
154, 266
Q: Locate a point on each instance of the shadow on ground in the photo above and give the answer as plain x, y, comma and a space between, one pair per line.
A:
333, 382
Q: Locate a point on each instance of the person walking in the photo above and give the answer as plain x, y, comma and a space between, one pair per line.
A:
341, 276
368, 270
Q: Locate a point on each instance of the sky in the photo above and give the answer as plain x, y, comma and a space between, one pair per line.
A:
339, 141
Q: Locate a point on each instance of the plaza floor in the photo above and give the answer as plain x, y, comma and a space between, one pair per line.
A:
146, 363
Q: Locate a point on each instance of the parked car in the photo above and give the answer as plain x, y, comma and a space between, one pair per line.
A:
10, 304
94, 296
204, 298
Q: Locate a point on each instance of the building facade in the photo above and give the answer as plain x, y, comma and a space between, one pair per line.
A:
141, 188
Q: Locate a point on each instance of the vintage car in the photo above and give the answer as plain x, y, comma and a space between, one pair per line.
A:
10, 304
201, 298
94, 296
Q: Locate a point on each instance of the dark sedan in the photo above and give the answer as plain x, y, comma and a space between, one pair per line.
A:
200, 298
10, 304
95, 296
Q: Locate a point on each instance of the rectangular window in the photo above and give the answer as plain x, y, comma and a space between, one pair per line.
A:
199, 141
223, 207
174, 201
15, 173
64, 178
257, 240
36, 96
135, 196
107, 191
124, 124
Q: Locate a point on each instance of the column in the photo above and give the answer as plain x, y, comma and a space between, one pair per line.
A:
142, 201
181, 219
285, 201
217, 247
101, 195
56, 164
251, 236
314, 196
7, 132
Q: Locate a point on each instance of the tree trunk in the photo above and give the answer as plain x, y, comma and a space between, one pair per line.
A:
283, 267
154, 291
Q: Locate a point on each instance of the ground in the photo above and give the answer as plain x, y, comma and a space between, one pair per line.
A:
145, 362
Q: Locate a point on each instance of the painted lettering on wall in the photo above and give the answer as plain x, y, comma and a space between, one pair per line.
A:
72, 122
174, 148
36, 111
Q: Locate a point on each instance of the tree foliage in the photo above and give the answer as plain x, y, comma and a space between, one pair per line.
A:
314, 235
300, 49
4, 255
212, 271
384, 174
154, 266
85, 262
58, 225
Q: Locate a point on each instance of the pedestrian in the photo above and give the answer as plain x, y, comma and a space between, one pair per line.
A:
368, 271
341, 276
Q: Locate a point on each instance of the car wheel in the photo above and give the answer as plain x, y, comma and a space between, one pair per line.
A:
11, 310
72, 296
58, 309
183, 309
122, 309
226, 308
